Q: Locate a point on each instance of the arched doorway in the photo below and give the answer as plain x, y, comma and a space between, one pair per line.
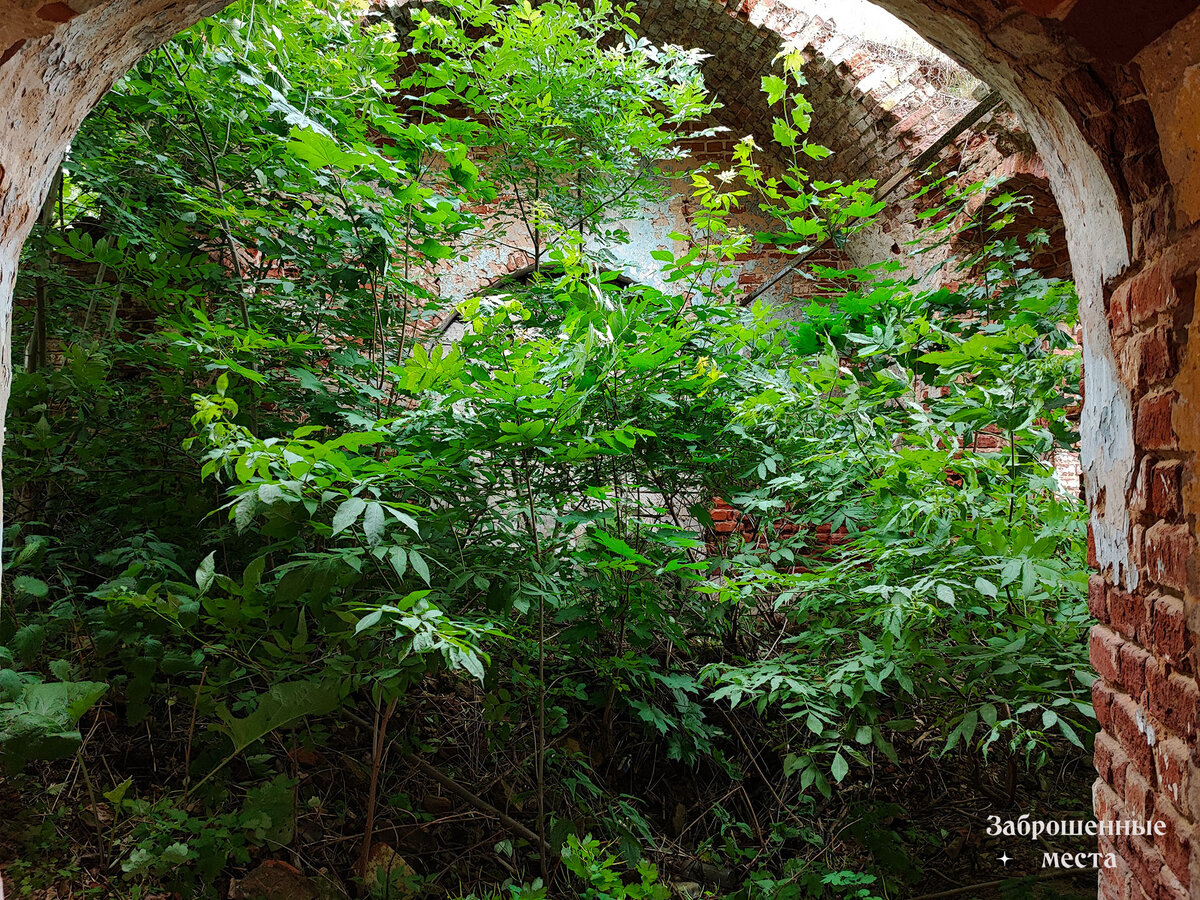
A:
1112, 101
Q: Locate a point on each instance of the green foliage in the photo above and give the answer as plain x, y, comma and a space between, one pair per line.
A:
600, 878
576, 129
38, 719
357, 516
961, 581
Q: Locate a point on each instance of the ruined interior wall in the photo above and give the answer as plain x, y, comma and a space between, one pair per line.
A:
874, 113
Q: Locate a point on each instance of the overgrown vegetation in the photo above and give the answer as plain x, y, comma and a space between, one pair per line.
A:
293, 576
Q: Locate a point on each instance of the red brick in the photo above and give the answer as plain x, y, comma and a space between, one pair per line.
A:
1098, 598
1120, 770
1102, 756
1129, 726
1144, 174
1167, 551
1174, 700
1102, 700
1169, 887
1150, 292
1144, 862
1140, 498
1165, 490
1104, 649
1175, 845
1118, 311
1133, 668
1152, 428
1171, 765
1114, 882
1146, 359
56, 12
1107, 805
1172, 640
1128, 613
1139, 796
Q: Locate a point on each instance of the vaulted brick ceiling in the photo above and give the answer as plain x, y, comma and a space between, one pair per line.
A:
868, 117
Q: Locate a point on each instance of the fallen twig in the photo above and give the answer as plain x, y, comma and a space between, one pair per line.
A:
479, 803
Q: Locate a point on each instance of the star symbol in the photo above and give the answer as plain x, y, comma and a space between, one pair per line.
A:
1005, 859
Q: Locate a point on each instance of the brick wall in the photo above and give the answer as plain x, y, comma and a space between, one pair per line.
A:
1110, 94
1147, 699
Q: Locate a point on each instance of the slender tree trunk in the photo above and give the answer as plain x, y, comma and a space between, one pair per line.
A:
36, 352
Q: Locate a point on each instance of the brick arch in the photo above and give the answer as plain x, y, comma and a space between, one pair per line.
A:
1110, 93
869, 114
493, 257
1023, 176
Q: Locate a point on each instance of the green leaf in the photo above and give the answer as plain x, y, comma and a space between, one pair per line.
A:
269, 811
985, 587
206, 572
279, 706
370, 620
347, 514
373, 523
839, 768
784, 134
774, 87
117, 794
253, 573
398, 557
175, 854
269, 493
1071, 736
405, 519
243, 511
320, 150
34, 587
419, 565
618, 546
40, 722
